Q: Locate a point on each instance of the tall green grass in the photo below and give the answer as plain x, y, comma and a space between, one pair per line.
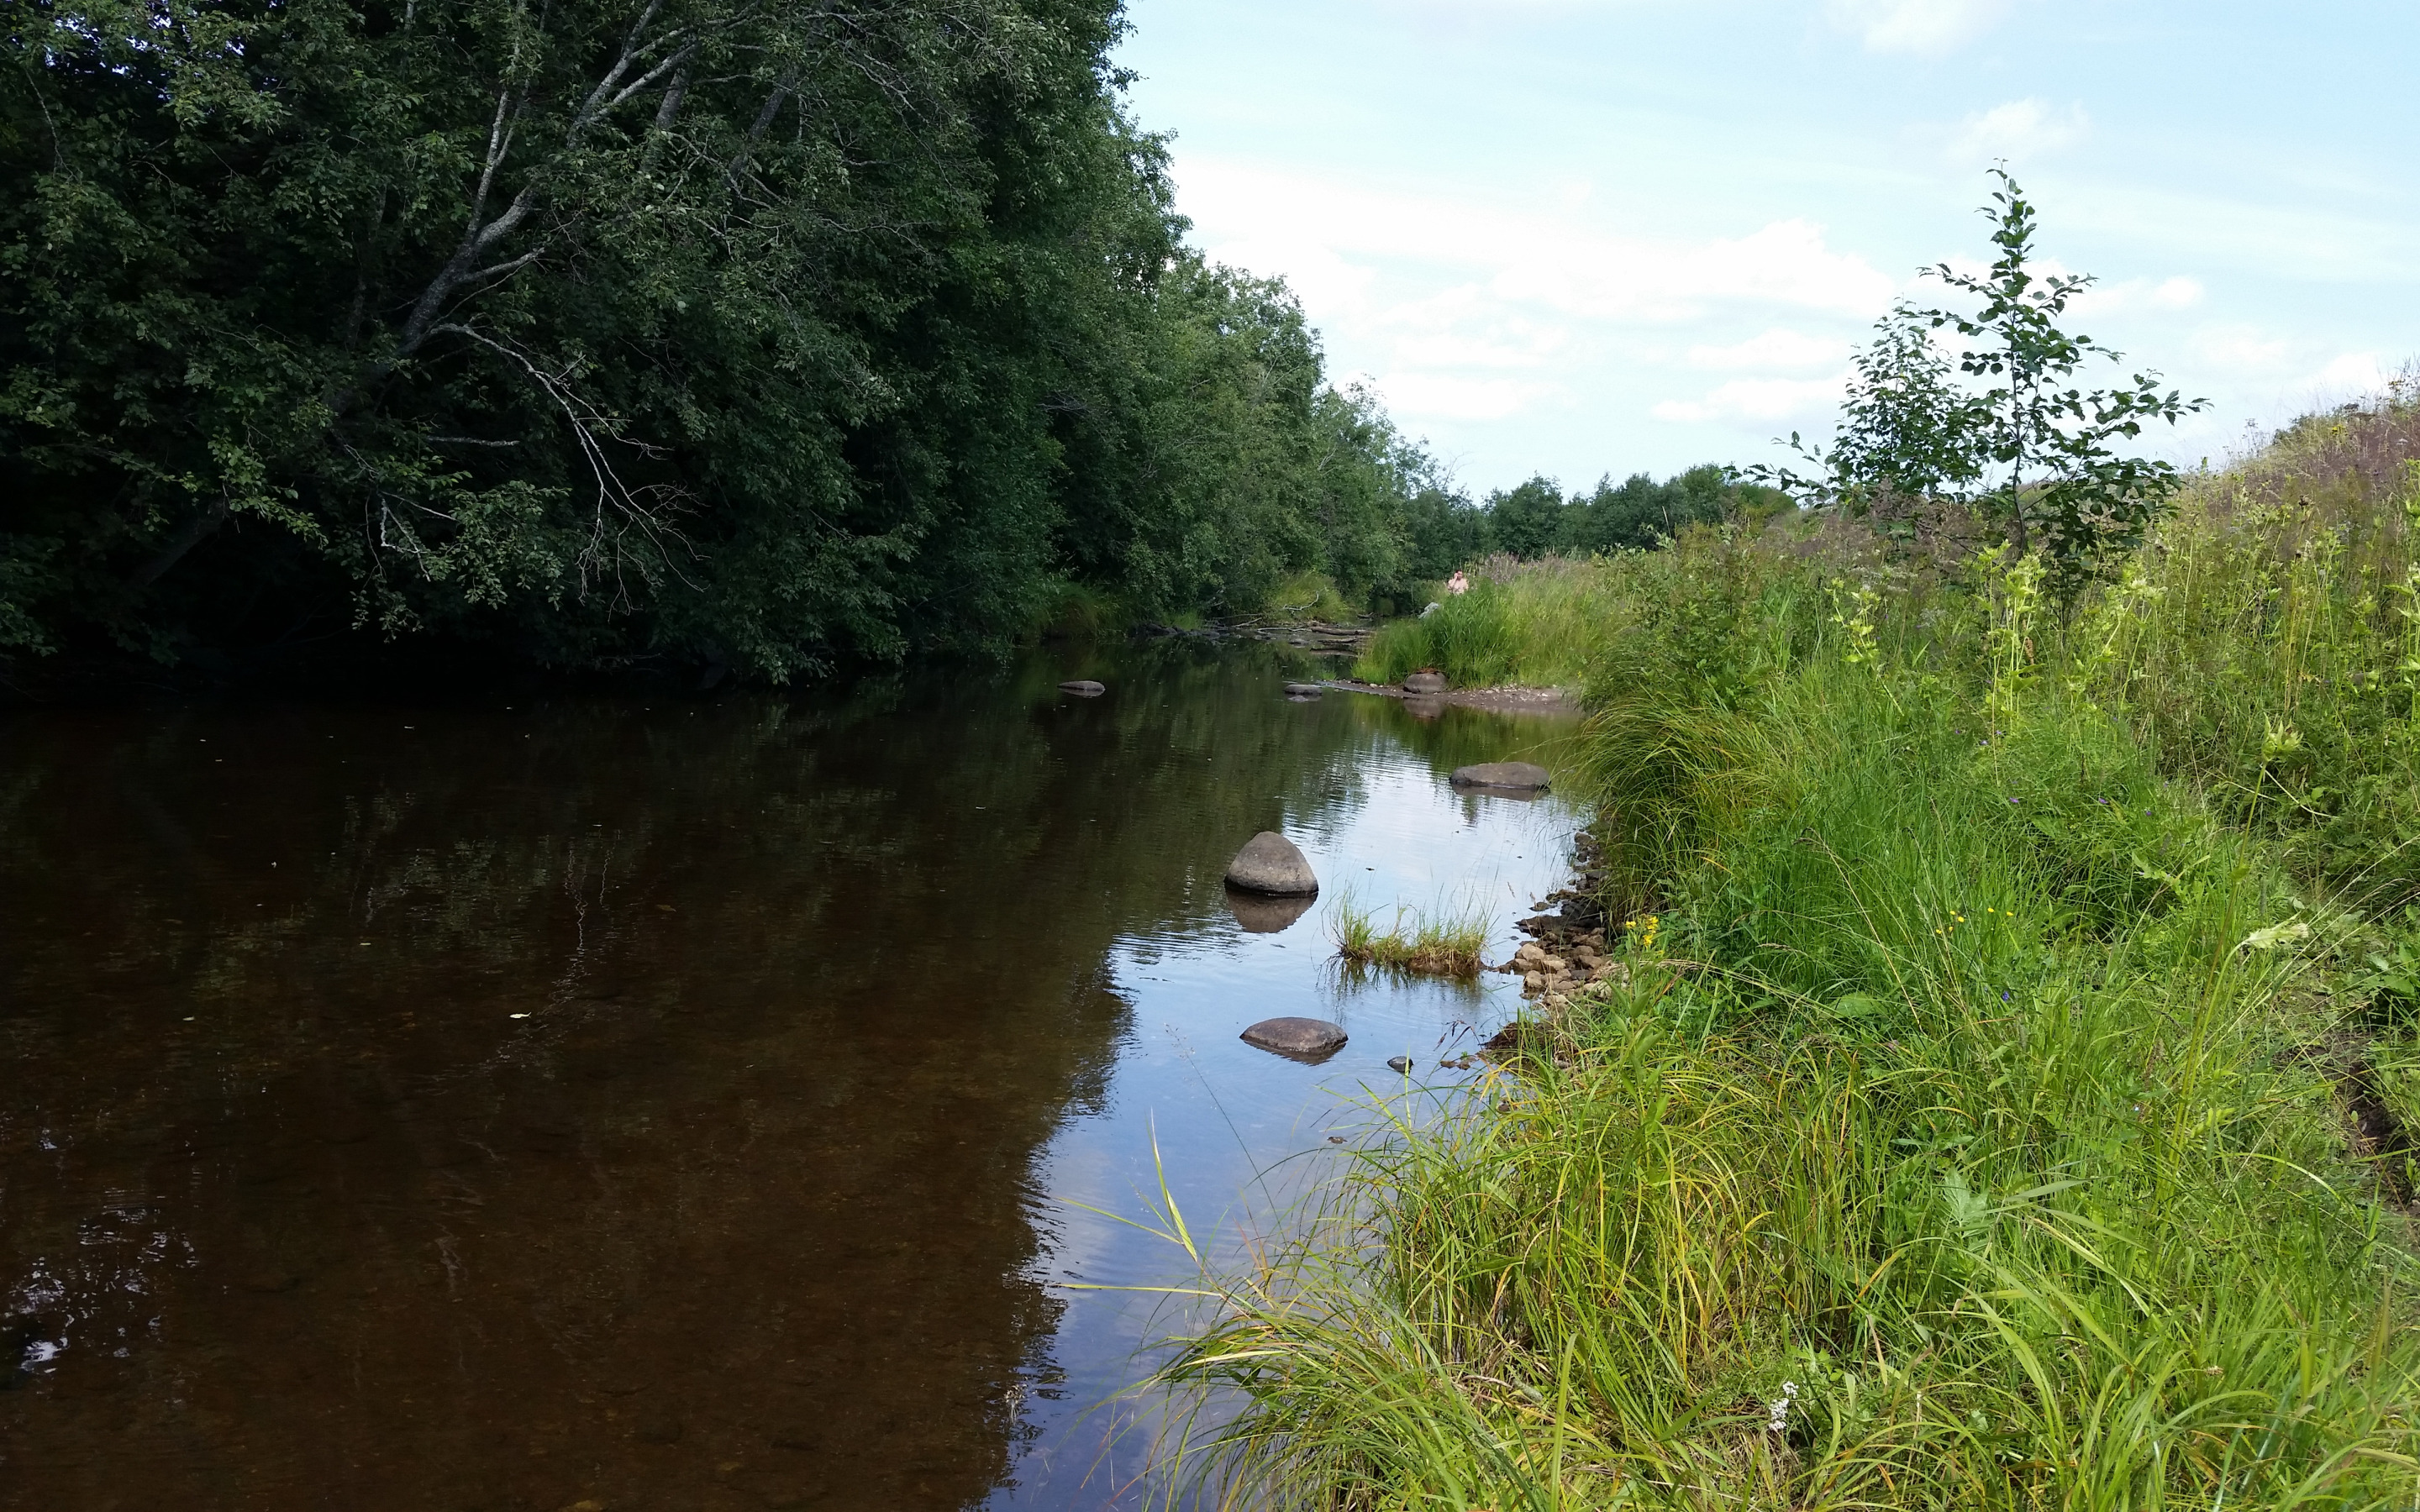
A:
1996, 1124
1533, 622
1448, 943
2267, 645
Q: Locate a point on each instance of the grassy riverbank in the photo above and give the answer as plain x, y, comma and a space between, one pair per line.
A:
2006, 1110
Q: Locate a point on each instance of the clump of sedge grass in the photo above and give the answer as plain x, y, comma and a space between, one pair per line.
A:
1988, 1130
1958, 1152
1446, 945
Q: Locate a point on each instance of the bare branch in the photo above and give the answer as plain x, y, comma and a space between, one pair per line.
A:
647, 509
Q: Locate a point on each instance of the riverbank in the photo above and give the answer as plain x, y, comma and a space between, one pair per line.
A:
2001, 1099
1506, 700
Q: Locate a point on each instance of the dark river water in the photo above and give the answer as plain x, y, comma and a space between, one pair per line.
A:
680, 1105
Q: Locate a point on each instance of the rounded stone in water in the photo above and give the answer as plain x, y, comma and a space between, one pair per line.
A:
1083, 687
1270, 864
1505, 776
1299, 1038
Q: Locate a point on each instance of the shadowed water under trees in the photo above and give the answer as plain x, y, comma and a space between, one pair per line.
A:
485, 1107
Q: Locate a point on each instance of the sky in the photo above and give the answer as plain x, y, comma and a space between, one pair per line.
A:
1592, 237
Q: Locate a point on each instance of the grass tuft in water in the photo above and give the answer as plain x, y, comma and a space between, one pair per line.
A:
1445, 945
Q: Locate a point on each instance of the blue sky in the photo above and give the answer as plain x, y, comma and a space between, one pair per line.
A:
1633, 235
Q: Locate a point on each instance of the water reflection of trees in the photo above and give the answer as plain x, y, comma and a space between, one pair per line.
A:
736, 1207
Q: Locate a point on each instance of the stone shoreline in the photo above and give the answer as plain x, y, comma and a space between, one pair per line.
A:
1568, 948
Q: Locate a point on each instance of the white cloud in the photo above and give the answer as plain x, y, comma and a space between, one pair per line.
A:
1926, 28
2352, 376
1766, 400
2175, 294
1466, 326
1467, 305
1316, 273
2240, 351
1626, 278
2017, 130
1448, 397
2178, 293
1525, 251
1514, 344
1777, 347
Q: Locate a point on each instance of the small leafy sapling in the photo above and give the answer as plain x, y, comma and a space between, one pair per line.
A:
2061, 485
1907, 432
2034, 448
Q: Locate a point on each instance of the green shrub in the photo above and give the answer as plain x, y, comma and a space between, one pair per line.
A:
1304, 596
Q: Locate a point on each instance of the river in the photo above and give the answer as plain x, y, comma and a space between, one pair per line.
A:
541, 1103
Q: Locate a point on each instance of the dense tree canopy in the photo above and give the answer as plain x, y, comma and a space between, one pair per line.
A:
1535, 519
756, 332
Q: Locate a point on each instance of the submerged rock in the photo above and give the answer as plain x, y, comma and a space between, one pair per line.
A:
1302, 1039
1424, 683
1270, 864
1402, 1063
1505, 776
1083, 687
1304, 690
1260, 914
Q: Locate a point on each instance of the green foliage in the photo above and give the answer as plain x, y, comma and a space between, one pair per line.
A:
1642, 513
2062, 480
1451, 943
2265, 646
1446, 532
690, 329
1535, 520
1527, 623
1906, 432
2028, 444
1526, 521
2009, 1104
1307, 596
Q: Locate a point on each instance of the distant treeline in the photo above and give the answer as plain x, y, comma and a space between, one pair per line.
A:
1537, 520
613, 332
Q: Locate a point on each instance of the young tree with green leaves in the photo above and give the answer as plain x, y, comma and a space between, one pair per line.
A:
2019, 436
2062, 483
1907, 431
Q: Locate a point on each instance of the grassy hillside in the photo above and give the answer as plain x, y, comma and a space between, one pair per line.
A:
2005, 1107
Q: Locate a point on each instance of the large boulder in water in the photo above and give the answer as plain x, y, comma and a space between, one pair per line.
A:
1298, 1039
1424, 683
1504, 776
1270, 864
